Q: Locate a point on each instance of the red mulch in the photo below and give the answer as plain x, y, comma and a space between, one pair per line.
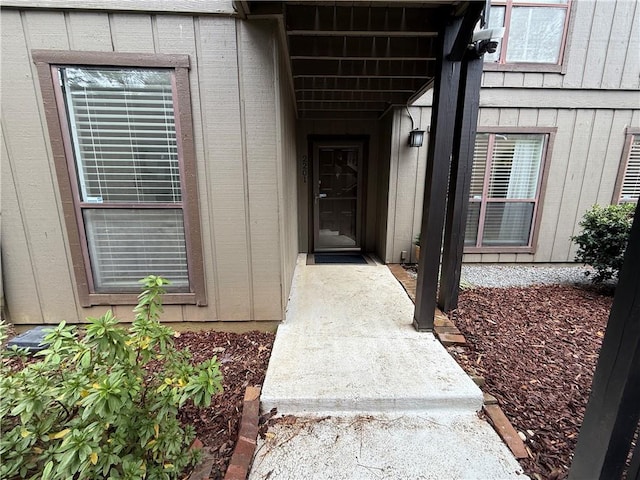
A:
244, 358
537, 348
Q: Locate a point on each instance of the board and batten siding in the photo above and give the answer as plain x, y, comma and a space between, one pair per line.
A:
590, 103
601, 51
407, 170
582, 168
244, 150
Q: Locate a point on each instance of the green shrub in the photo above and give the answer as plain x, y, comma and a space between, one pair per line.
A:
103, 402
604, 237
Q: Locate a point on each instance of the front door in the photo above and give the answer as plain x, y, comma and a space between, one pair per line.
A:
337, 195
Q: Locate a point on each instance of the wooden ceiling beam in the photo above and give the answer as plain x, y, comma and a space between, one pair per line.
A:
348, 90
343, 107
365, 18
338, 115
350, 96
369, 47
360, 33
372, 68
359, 83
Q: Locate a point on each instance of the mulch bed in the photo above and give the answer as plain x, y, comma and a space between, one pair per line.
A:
244, 358
537, 349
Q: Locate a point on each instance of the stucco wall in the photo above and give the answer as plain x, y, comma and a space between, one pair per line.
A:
243, 146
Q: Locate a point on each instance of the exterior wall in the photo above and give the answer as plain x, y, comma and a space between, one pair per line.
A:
288, 175
384, 184
338, 128
242, 154
591, 104
406, 185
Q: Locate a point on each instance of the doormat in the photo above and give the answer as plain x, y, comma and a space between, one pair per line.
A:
332, 258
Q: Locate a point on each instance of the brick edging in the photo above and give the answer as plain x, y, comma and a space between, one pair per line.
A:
242, 457
503, 427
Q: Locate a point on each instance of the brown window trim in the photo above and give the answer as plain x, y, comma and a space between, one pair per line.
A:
46, 61
559, 67
629, 132
550, 132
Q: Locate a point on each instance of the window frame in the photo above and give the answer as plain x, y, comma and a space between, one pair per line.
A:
630, 133
549, 137
502, 65
47, 63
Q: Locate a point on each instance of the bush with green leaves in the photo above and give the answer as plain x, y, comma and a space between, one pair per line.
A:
604, 237
103, 401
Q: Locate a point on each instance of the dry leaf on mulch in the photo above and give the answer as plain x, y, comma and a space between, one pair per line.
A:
537, 348
244, 358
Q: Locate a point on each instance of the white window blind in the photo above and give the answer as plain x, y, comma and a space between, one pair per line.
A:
515, 165
126, 245
479, 165
630, 191
477, 185
123, 131
124, 135
501, 211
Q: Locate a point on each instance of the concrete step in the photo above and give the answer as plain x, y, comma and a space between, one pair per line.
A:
311, 373
433, 445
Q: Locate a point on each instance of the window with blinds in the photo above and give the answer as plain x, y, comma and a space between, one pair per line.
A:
630, 187
123, 135
505, 183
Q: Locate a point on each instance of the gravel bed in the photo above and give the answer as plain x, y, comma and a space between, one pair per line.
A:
491, 275
519, 275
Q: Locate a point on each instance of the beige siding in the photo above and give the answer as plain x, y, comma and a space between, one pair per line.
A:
582, 169
590, 103
42, 270
288, 173
601, 51
245, 161
406, 191
384, 185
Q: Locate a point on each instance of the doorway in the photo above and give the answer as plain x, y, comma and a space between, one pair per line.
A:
337, 195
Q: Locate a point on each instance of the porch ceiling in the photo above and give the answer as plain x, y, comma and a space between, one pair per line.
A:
354, 60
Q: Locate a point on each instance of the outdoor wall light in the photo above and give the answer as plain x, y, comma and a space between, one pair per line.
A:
416, 137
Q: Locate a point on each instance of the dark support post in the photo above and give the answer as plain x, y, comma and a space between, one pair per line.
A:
460, 180
460, 44
614, 404
445, 93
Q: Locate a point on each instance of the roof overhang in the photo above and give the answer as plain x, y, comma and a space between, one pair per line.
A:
356, 60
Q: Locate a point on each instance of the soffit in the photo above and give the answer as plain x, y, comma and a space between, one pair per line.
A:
353, 60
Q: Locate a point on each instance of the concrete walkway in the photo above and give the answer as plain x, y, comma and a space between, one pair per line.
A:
372, 397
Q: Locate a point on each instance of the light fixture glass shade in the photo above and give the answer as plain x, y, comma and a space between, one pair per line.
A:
416, 137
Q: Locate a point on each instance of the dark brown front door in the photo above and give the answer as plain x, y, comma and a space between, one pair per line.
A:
337, 195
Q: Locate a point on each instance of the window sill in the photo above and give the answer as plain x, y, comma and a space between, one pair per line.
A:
523, 67
94, 299
499, 250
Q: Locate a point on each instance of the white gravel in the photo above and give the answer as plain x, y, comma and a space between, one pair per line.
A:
522, 275
500, 275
